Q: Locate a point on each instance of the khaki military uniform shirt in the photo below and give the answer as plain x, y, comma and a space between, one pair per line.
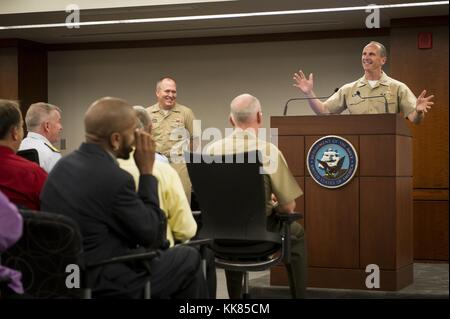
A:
398, 95
278, 179
172, 131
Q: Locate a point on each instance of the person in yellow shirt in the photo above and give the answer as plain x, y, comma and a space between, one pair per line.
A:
392, 96
181, 225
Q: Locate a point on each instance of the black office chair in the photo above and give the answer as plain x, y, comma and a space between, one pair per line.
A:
49, 243
230, 192
30, 154
4, 285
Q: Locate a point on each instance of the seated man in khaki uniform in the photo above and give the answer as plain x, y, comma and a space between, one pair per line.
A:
375, 83
280, 185
172, 128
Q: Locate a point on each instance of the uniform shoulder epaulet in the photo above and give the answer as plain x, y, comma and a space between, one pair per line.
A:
54, 149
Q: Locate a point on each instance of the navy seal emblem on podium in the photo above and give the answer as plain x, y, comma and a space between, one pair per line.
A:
332, 161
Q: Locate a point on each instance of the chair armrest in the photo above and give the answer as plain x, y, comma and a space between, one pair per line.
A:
4, 285
197, 242
202, 244
141, 255
289, 217
131, 257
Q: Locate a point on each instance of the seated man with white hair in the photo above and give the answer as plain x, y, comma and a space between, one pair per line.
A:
44, 127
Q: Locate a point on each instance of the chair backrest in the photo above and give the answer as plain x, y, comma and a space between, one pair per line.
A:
30, 154
48, 244
231, 195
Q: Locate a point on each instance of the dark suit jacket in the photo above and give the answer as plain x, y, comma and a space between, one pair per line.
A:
89, 186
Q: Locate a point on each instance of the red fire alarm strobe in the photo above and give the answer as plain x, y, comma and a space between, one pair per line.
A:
425, 40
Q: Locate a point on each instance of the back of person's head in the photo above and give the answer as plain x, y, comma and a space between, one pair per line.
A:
244, 109
142, 115
10, 117
38, 113
107, 116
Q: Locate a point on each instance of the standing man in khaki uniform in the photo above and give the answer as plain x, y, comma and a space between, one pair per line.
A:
397, 96
279, 183
172, 128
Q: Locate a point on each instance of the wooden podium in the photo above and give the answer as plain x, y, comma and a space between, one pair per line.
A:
368, 220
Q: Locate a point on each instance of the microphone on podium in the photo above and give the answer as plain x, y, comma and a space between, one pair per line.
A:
307, 98
386, 108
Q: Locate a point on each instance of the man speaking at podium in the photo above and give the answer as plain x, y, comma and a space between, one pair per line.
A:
374, 93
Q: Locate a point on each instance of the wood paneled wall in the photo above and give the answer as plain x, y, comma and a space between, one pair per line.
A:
23, 72
426, 69
9, 75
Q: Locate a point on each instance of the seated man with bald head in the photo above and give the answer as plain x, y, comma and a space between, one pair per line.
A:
279, 184
89, 186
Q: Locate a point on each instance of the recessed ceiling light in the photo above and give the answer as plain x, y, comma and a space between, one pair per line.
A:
226, 16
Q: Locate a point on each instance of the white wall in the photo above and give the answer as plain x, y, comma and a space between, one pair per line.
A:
208, 77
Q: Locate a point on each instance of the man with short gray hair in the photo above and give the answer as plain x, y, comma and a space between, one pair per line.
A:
389, 95
44, 127
171, 123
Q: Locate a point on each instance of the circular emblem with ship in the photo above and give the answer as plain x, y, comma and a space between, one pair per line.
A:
332, 161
